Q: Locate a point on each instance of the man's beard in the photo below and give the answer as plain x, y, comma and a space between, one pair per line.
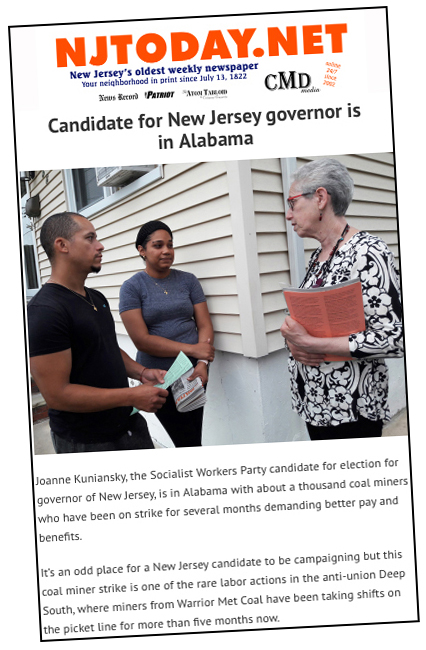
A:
95, 269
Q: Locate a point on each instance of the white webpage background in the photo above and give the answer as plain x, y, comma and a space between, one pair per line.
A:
20, 607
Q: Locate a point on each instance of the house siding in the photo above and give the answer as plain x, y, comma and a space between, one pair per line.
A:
49, 185
273, 257
373, 207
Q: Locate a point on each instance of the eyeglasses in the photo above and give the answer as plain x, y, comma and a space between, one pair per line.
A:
290, 200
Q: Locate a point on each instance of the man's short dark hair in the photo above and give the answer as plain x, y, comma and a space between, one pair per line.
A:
57, 225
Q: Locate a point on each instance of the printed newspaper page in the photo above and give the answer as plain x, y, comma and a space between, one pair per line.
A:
234, 518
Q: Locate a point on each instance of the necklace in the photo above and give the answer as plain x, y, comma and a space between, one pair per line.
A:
158, 285
322, 272
89, 302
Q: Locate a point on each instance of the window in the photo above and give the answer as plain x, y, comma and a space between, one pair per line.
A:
86, 189
90, 190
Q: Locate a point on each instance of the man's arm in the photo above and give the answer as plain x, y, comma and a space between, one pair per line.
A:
51, 373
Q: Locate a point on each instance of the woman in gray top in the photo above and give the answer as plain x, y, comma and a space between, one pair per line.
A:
164, 311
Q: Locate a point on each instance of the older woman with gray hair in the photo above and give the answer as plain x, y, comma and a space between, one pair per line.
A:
342, 399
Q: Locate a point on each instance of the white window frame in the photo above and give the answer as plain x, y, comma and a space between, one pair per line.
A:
111, 195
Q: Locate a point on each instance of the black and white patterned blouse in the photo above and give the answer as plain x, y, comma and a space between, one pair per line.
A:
337, 392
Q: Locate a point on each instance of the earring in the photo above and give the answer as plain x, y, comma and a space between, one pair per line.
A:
320, 216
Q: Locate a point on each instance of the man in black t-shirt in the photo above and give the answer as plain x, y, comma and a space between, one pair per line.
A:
74, 356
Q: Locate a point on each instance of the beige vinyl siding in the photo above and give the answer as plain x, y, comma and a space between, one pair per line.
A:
373, 207
271, 244
50, 186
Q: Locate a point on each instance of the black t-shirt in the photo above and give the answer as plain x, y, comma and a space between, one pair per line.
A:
59, 320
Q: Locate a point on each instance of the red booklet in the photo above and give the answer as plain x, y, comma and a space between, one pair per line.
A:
328, 311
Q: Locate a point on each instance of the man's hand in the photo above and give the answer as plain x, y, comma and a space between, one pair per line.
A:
200, 371
152, 376
148, 398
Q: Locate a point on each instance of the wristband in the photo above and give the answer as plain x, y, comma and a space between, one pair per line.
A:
203, 361
140, 378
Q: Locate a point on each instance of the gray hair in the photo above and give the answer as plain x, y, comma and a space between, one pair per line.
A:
331, 174
57, 225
